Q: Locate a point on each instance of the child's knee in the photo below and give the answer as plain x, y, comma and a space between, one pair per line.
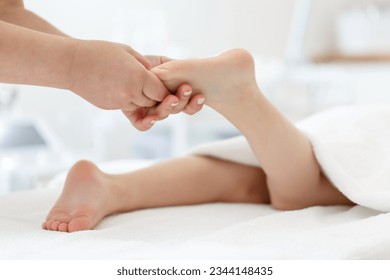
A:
289, 202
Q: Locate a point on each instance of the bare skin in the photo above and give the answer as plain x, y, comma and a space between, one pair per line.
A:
290, 177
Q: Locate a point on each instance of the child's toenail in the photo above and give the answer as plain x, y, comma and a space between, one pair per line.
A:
187, 93
200, 101
153, 122
174, 104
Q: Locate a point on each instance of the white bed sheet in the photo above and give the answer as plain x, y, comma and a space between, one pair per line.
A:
209, 231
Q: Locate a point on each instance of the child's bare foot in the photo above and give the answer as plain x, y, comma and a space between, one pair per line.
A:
226, 80
85, 200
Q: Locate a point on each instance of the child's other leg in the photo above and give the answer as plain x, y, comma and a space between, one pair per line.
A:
293, 176
89, 194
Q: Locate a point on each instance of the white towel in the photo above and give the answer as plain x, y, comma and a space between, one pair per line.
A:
208, 231
352, 145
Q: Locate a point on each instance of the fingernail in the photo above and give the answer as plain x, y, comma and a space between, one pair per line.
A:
153, 122
174, 104
200, 101
187, 93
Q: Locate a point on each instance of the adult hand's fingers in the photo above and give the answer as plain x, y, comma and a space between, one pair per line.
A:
155, 60
195, 104
165, 108
139, 119
145, 90
144, 118
153, 88
131, 107
142, 59
131, 101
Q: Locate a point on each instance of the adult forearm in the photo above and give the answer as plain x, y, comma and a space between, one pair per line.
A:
35, 58
18, 15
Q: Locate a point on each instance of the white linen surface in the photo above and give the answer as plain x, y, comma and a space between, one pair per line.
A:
210, 231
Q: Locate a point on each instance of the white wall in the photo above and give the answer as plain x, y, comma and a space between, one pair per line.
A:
200, 27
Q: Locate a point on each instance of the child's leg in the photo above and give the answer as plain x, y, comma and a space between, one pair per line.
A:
290, 170
89, 194
293, 176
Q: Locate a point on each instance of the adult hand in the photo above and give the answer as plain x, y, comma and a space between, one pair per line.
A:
184, 100
113, 76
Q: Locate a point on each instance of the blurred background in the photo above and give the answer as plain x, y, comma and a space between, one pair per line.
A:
310, 55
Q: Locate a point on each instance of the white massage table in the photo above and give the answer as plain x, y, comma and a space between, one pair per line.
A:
209, 231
